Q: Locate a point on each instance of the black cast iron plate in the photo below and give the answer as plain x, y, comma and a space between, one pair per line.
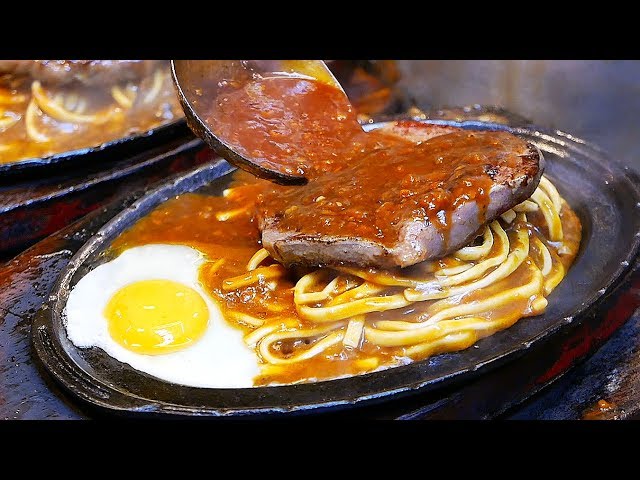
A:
603, 193
106, 152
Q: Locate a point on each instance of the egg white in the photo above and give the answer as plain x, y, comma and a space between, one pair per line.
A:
219, 359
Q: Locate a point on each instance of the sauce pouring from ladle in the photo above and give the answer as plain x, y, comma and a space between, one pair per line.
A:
202, 89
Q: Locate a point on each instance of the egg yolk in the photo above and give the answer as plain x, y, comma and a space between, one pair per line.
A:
156, 316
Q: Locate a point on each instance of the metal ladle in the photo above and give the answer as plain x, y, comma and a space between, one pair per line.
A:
198, 83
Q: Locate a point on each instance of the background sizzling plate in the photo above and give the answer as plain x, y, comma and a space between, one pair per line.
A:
100, 155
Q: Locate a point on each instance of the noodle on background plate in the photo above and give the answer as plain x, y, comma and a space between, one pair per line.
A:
36, 121
317, 324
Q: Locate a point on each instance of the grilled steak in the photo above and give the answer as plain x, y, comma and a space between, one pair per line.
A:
399, 207
84, 72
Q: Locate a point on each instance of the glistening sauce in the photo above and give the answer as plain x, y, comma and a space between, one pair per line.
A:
360, 184
224, 228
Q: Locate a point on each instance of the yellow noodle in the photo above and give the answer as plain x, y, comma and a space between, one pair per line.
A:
475, 253
262, 273
513, 261
352, 308
556, 275
551, 216
215, 266
246, 319
564, 250
547, 262
351, 291
550, 189
257, 258
526, 206
508, 216
450, 307
402, 338
156, 87
314, 297
254, 337
124, 99
538, 305
453, 300
494, 301
388, 278
390, 331
331, 337
319, 347
307, 281
58, 112
450, 343
445, 272
30, 123
361, 291
479, 269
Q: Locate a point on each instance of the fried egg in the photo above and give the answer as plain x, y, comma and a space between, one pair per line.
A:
147, 308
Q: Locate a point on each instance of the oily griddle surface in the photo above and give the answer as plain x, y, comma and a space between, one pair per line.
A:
603, 194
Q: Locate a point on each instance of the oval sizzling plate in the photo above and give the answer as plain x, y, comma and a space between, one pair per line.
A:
603, 194
112, 150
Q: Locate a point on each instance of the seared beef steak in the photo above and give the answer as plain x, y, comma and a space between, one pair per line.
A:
398, 211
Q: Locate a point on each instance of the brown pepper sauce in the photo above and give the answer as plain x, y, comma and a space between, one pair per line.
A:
361, 184
190, 219
369, 181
